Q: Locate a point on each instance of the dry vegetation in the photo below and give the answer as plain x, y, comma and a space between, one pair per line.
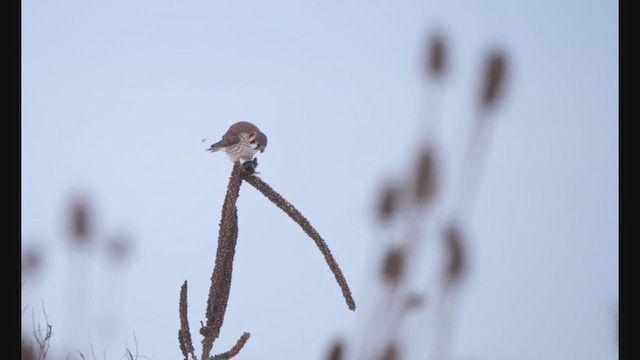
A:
223, 265
80, 242
407, 203
406, 319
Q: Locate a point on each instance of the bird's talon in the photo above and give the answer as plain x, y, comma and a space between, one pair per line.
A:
250, 166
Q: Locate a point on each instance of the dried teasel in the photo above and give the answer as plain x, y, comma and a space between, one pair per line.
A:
388, 202
80, 222
390, 353
31, 260
494, 79
336, 352
435, 59
425, 175
456, 264
393, 265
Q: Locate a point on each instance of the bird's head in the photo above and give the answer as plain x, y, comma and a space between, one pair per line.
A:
258, 140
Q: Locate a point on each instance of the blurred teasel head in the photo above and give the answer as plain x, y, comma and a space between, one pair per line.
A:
495, 69
456, 263
80, 220
388, 202
336, 351
425, 175
393, 265
435, 56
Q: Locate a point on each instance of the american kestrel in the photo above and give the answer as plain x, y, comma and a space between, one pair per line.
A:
241, 142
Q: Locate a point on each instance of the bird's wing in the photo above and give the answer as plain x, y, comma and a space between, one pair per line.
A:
232, 136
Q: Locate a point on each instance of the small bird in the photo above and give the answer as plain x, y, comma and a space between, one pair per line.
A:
241, 142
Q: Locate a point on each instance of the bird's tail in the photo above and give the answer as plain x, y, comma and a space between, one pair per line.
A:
215, 147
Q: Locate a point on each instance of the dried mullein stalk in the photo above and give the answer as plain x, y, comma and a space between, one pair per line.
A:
222, 271
235, 349
223, 266
297, 216
184, 334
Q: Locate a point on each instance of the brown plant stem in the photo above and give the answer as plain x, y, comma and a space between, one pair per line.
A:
184, 334
235, 349
221, 277
294, 214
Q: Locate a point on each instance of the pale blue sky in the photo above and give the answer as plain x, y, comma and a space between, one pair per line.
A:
117, 97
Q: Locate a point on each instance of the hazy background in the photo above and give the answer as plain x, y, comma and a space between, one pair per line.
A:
117, 97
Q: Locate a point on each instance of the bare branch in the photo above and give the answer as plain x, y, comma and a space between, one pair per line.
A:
43, 337
127, 352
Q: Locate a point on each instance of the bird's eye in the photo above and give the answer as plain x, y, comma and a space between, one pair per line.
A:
252, 141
